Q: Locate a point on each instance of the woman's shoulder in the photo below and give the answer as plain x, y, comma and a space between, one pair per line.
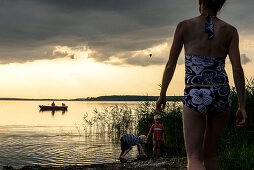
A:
226, 27
187, 23
225, 24
190, 23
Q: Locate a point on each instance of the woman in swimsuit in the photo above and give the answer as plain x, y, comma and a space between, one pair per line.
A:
207, 41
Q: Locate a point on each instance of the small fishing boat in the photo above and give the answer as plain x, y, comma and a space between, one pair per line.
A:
43, 107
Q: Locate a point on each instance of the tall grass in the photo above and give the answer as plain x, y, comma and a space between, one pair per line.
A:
112, 121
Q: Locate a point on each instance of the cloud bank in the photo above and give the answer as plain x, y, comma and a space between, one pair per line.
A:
115, 31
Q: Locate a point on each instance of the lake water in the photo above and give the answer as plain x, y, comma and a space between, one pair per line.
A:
31, 137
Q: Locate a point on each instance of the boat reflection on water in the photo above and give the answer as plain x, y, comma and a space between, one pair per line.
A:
53, 108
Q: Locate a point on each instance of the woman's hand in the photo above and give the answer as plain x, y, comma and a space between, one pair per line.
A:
241, 117
161, 103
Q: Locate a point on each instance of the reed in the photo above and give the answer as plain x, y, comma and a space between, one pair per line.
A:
112, 121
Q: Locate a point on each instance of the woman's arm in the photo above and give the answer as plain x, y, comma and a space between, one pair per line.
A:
170, 66
234, 56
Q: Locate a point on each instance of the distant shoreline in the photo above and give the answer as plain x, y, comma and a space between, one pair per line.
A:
105, 98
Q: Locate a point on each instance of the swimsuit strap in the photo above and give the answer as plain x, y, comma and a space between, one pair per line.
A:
209, 26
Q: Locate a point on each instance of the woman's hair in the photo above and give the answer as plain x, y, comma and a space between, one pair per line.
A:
215, 5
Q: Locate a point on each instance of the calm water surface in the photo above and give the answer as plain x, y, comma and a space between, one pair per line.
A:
31, 137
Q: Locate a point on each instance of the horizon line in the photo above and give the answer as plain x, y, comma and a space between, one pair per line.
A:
83, 98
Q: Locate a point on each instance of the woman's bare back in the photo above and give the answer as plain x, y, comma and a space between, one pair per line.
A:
196, 41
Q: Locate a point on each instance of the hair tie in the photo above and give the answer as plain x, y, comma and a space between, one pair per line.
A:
209, 26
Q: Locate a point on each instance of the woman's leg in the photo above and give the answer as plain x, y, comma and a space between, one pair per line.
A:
194, 125
214, 128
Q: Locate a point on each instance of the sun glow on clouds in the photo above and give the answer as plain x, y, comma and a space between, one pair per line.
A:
72, 52
159, 54
64, 77
156, 49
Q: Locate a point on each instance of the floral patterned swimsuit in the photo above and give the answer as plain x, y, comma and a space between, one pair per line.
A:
201, 70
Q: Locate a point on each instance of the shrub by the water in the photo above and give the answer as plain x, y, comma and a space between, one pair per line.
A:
236, 146
173, 145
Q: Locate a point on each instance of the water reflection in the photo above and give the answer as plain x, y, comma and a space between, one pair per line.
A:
28, 136
23, 146
53, 111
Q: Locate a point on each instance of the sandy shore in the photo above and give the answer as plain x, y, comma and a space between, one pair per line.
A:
149, 164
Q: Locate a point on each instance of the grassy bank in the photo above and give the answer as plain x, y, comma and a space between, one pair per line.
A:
235, 148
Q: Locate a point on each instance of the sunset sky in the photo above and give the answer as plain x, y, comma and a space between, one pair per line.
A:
89, 48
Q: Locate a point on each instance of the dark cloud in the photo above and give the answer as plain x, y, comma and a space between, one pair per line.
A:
26, 54
245, 59
30, 29
239, 13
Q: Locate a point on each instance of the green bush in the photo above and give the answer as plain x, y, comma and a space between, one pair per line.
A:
236, 146
237, 158
172, 120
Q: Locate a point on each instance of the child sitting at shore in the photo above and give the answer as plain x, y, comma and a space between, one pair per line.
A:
129, 140
158, 135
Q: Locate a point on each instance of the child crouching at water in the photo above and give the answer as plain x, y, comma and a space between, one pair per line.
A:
158, 135
129, 140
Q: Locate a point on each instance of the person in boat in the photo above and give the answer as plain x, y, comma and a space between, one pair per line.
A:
63, 104
53, 104
207, 41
